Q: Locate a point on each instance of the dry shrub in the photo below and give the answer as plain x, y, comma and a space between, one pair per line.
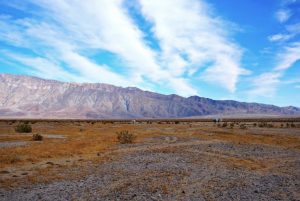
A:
37, 137
262, 124
124, 137
224, 124
243, 126
23, 128
231, 125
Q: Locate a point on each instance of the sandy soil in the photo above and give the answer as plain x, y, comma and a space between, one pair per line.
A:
197, 161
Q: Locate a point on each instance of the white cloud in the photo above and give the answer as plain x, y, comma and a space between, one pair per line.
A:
294, 28
191, 36
46, 69
292, 31
265, 84
280, 37
283, 15
73, 27
289, 56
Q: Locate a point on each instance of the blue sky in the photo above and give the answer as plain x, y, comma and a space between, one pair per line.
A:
244, 50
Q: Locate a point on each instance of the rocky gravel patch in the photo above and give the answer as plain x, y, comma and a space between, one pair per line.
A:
181, 170
13, 144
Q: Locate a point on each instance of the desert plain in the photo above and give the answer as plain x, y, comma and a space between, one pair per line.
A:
236, 159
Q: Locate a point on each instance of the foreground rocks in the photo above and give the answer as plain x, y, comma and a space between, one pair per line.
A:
179, 169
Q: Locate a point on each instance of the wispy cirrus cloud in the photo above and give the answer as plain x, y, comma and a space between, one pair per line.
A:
283, 15
266, 84
291, 31
191, 36
58, 35
287, 55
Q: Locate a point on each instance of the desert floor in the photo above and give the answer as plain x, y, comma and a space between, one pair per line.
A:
184, 161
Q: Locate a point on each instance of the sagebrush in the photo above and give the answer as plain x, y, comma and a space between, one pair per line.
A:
125, 137
23, 128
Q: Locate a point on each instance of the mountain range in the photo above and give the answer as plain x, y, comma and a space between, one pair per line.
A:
32, 97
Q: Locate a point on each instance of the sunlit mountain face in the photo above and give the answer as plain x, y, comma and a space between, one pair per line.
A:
31, 97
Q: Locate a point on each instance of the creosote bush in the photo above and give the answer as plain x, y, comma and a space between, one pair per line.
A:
23, 128
37, 137
124, 137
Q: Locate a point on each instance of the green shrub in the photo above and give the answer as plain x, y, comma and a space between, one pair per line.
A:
23, 128
124, 137
37, 137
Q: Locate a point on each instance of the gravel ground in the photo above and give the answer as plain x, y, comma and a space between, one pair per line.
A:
177, 169
13, 144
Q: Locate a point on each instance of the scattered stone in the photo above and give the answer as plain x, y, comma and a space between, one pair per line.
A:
4, 172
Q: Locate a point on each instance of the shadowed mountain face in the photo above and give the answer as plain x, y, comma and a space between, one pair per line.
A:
24, 96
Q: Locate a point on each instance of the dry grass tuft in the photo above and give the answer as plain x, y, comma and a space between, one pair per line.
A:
125, 137
37, 137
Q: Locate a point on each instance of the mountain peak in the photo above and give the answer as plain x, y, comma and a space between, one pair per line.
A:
32, 97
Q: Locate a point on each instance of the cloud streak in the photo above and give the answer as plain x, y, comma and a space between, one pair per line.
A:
283, 15
191, 37
193, 41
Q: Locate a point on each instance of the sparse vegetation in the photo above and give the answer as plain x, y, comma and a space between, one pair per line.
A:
76, 150
243, 126
125, 137
23, 128
37, 137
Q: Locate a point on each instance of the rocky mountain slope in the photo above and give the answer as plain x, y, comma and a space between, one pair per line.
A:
25, 96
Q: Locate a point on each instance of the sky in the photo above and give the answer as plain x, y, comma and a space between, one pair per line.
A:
239, 50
